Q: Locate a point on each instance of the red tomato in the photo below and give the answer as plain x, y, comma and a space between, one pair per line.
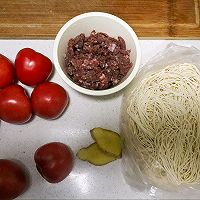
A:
32, 67
13, 179
49, 100
15, 105
6, 72
54, 161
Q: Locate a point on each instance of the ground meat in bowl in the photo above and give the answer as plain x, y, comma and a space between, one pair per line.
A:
98, 61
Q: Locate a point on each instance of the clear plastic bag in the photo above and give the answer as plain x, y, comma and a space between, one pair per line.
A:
131, 166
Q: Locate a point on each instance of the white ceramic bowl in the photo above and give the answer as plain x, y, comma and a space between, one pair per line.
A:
100, 22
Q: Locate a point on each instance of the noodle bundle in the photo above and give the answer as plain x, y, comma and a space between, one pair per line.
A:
162, 119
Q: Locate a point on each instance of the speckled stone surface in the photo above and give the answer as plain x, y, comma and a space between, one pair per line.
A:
86, 181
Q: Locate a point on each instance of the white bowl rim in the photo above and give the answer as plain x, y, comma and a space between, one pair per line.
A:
97, 92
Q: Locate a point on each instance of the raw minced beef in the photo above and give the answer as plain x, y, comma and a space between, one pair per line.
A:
97, 62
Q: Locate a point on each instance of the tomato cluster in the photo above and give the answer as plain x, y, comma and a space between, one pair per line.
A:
54, 161
48, 100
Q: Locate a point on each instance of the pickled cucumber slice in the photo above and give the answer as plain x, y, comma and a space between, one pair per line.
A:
107, 140
94, 155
